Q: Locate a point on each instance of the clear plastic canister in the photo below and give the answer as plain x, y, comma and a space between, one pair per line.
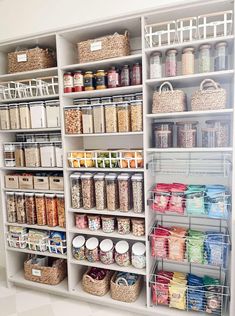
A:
9, 155
124, 225
51, 209
92, 249
73, 120
76, 190
125, 192
14, 116
25, 121
47, 154
30, 209
138, 192
4, 117
187, 134
124, 115
205, 58
20, 208
87, 120
98, 116
53, 113
138, 227
11, 207
58, 155
138, 255
37, 114
218, 133
88, 191
107, 251
108, 224
136, 115
61, 210
110, 118
78, 247
188, 61
112, 191
122, 254
100, 191
163, 134
19, 155
41, 209
94, 222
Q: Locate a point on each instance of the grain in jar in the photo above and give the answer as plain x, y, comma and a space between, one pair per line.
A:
100, 191
76, 190
108, 224
138, 227
4, 117
107, 251
30, 209
19, 155
73, 120
47, 154
187, 134
14, 116
122, 254
205, 58
94, 222
112, 191
136, 115
110, 118
61, 210
92, 250
53, 113
98, 117
123, 115
51, 209
11, 207
138, 192
218, 135
25, 121
125, 192
138, 255
188, 61
171, 63
78, 247
87, 120
163, 134
41, 209
58, 155
124, 225
88, 191
37, 114
20, 208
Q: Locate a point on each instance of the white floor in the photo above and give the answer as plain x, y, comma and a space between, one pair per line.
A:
23, 302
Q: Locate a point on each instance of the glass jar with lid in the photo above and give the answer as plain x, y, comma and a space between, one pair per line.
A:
128, 97
100, 191
92, 250
108, 224
37, 114
107, 251
216, 134
51, 209
136, 74
76, 190
78, 81
163, 134
138, 256
110, 118
94, 222
138, 96
187, 134
87, 119
68, 82
123, 114
117, 98
73, 120
106, 100
123, 225
113, 78
171, 63
53, 113
221, 56
98, 118
32, 155
125, 76
11, 207
9, 155
138, 192
88, 191
14, 116
25, 121
205, 58
41, 209
4, 117
100, 78
89, 82
112, 191
47, 154
136, 115
122, 254
20, 208
78, 247
188, 61
19, 155
156, 65
30, 209
125, 192
61, 210
138, 227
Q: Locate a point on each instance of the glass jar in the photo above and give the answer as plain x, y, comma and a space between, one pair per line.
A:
100, 191
205, 58
136, 74
117, 98
112, 192
138, 227
11, 207
125, 76
100, 77
163, 134
221, 56
123, 114
76, 190
89, 82
32, 155
4, 117
138, 192
122, 255
106, 251
68, 82
88, 191
125, 192
20, 208
113, 78
187, 134
58, 155
81, 221
92, 251
156, 65
87, 120
188, 61
171, 63
73, 120
123, 225
136, 115
37, 114
78, 81
47, 154
110, 118
138, 257
30, 209
98, 116
41, 209
94, 222
24, 115
53, 113
108, 224
217, 133
61, 210
51, 209
78, 249
19, 155
14, 116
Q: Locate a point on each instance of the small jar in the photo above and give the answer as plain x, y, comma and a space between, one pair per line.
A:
41, 209
100, 77
187, 134
108, 224
138, 192
188, 61
20, 208
94, 222
98, 117
125, 76
221, 56
11, 207
117, 98
76, 190
88, 191
73, 120
122, 255
32, 155
123, 114
87, 120
68, 82
110, 118
218, 135
92, 250
205, 58
138, 257
51, 209
78, 81
81, 221
4, 117
89, 81
123, 225
30, 209
156, 65
163, 134
106, 251
19, 155
25, 121
14, 116
125, 192
136, 115
136, 74
112, 192
61, 210
100, 191
113, 78
79, 248
138, 227
171, 63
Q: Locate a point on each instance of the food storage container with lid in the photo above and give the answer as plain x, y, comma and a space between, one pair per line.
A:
81, 101
123, 225
125, 192
106, 251
81, 221
25, 121
187, 134
106, 100
156, 65
136, 115
4, 117
108, 224
76, 190
100, 191
98, 118
100, 79
122, 255
205, 58
32, 155
123, 115
19, 155
138, 257
14, 116
11, 207
92, 250
117, 98
94, 101
61, 210
30, 209
171, 63
217, 133
139, 96
163, 134
113, 78
58, 155
41, 209
94, 222
138, 192
78, 249
20, 208
47, 154
88, 192
37, 114
53, 113
73, 120
188, 61
128, 97
138, 227
221, 56
110, 118
136, 74
112, 191
51, 209
89, 82
87, 120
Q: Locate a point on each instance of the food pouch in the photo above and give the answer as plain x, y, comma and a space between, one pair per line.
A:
195, 203
195, 246
213, 297
161, 196
217, 201
176, 243
159, 242
216, 246
176, 203
177, 295
195, 293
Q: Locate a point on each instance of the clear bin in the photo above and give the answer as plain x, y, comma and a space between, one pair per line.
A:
112, 191
125, 192
136, 116
20, 208
32, 155
88, 192
163, 135
19, 155
138, 227
94, 222
110, 118
100, 191
124, 225
92, 249
37, 114
98, 116
217, 134
76, 190
122, 254
138, 193
73, 120
108, 224
61, 210
4, 118
51, 209
138, 255
25, 121
14, 116
87, 120
11, 207
107, 251
58, 155
47, 153
187, 134
30, 209
124, 115
53, 113
41, 209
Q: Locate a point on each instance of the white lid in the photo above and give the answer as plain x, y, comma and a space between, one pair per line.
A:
106, 245
122, 246
60, 196
29, 194
78, 241
92, 243
39, 194
10, 193
111, 176
99, 175
87, 175
19, 193
138, 249
76, 175
23, 104
124, 176
137, 176
50, 195
36, 103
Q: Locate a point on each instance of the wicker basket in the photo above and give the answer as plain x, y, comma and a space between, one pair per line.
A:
168, 100
35, 58
109, 46
209, 99
125, 293
51, 275
96, 287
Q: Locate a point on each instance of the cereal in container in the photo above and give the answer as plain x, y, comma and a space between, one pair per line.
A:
30, 209
20, 208
122, 254
25, 121
138, 192
92, 250
14, 116
187, 134
106, 251
88, 191
76, 190
136, 115
78, 249
110, 118
61, 210
41, 209
32, 155
51, 207
125, 192
112, 191
98, 117
100, 191
87, 120
124, 116
11, 207
4, 117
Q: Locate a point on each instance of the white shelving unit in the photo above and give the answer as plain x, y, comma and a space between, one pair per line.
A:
64, 41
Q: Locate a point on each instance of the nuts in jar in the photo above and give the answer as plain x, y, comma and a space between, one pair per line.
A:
92, 251
110, 118
136, 116
73, 120
122, 255
79, 248
138, 227
30, 209
61, 210
20, 208
112, 192
106, 251
100, 191
124, 225
41, 209
108, 224
51, 209
123, 114
11, 207
125, 194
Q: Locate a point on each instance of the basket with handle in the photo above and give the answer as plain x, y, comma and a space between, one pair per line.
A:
96, 287
165, 101
210, 96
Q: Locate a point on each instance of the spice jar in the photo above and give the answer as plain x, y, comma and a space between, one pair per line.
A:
100, 80
68, 82
138, 227
76, 190
112, 191
78, 81
73, 120
100, 191
123, 225
79, 248
20, 208
136, 74
87, 120
14, 116
53, 113
217, 133
123, 114
4, 117
19, 155
125, 192
51, 208
205, 58
94, 222
37, 114
92, 251
221, 56
187, 134
171, 63
125, 76
156, 65
41, 209
98, 117
24, 115
11, 207
163, 134
30, 209
113, 78
61, 210
138, 192
47, 154
81, 221
88, 191
136, 115
138, 257
110, 118
106, 251
122, 255
32, 155
188, 61
89, 81
108, 224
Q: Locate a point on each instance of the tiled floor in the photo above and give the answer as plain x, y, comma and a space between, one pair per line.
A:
24, 302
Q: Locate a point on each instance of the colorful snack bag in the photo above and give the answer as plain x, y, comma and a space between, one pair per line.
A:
217, 201
177, 295
159, 242
213, 296
195, 297
195, 246
161, 197
217, 247
177, 243
176, 203
195, 202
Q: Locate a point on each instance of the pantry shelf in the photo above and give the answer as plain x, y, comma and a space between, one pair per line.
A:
194, 149
173, 115
33, 191
105, 134
56, 228
31, 130
106, 212
39, 253
31, 99
107, 169
33, 168
32, 74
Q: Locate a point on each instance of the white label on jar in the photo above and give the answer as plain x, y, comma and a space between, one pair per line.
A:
36, 272
96, 46
21, 58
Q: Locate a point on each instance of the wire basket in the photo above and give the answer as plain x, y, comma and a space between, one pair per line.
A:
47, 85
8, 90
56, 245
187, 30
38, 244
16, 240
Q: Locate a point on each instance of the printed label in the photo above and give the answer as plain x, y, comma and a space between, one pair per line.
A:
96, 46
21, 58
36, 272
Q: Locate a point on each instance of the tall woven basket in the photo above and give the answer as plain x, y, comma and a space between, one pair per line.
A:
96, 287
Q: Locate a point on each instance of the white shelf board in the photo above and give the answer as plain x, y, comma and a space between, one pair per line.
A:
136, 170
31, 130
113, 266
106, 134
32, 168
107, 212
103, 92
32, 74
33, 191
31, 99
107, 235
39, 253
195, 149
190, 114
56, 228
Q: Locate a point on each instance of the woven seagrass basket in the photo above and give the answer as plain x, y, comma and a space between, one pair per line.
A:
96, 287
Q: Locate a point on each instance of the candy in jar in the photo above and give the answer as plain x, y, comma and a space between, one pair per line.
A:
79, 248
122, 255
81, 221
108, 224
138, 227
92, 251
124, 225
136, 74
51, 207
94, 222
138, 258
106, 251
